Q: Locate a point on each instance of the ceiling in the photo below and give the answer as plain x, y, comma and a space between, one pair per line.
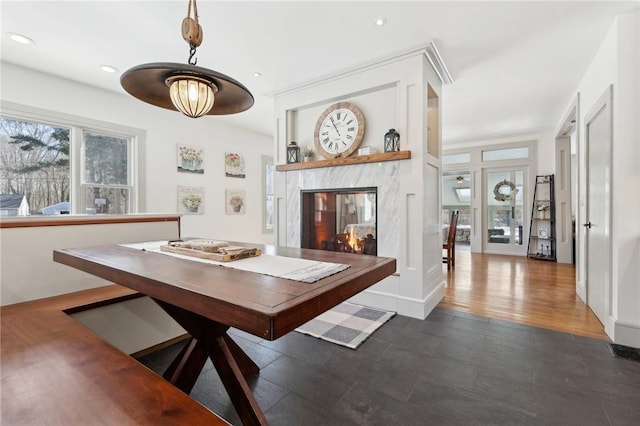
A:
516, 65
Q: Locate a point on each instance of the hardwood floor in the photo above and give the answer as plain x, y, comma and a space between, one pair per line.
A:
514, 288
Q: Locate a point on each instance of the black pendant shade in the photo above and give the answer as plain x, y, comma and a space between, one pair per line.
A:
148, 82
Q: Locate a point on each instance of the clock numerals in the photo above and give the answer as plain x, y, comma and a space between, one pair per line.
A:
339, 132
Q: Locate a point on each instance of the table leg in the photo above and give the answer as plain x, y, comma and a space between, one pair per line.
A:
246, 364
210, 338
233, 379
185, 369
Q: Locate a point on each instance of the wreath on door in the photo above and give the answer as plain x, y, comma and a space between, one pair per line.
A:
501, 194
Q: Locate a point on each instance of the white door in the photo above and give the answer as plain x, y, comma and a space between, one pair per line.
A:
504, 230
597, 226
564, 222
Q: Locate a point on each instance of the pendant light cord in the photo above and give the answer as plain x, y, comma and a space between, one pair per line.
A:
191, 30
192, 3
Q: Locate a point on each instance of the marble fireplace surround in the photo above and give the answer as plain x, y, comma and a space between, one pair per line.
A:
385, 176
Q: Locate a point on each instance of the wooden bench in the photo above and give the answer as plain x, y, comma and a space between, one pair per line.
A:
56, 371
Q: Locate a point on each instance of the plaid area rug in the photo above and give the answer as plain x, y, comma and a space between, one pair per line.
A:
346, 324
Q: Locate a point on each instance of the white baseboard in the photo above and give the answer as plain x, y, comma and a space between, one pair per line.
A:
626, 334
581, 291
407, 306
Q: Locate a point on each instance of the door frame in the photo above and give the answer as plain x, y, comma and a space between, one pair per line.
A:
510, 249
471, 158
566, 191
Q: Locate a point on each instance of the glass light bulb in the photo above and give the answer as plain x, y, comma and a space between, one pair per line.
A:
193, 91
192, 96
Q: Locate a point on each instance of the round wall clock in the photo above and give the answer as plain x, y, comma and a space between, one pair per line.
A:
339, 130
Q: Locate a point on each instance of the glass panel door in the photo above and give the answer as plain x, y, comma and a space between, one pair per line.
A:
505, 212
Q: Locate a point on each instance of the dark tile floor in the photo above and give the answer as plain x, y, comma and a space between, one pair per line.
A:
452, 368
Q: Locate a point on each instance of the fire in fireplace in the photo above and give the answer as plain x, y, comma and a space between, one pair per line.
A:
340, 220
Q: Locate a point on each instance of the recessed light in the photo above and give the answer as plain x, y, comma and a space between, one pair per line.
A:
19, 38
108, 68
381, 21
257, 74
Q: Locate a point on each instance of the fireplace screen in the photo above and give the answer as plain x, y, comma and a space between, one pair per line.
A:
340, 220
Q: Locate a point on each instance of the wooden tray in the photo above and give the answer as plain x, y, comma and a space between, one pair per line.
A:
233, 253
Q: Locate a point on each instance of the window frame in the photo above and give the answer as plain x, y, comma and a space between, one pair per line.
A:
476, 167
84, 185
267, 160
78, 125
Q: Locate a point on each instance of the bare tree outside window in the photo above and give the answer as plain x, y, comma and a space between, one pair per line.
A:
34, 159
40, 161
106, 174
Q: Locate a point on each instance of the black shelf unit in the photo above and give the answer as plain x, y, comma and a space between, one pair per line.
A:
542, 229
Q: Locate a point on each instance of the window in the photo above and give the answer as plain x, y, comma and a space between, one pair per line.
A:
268, 175
106, 178
35, 164
505, 154
456, 158
463, 194
62, 164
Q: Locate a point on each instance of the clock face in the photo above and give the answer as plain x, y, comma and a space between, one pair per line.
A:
339, 130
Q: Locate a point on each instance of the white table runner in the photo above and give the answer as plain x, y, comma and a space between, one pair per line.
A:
290, 268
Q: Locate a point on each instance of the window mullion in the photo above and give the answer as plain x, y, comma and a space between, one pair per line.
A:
76, 161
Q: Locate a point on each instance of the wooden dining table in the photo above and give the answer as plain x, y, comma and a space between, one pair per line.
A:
206, 300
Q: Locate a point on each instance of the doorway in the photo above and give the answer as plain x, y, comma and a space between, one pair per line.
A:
456, 195
504, 214
566, 186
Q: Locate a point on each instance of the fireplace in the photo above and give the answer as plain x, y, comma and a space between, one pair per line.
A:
340, 220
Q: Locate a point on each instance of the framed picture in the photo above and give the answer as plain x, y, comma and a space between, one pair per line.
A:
190, 200
234, 165
190, 159
235, 202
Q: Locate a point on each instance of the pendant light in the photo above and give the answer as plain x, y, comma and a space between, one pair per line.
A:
192, 90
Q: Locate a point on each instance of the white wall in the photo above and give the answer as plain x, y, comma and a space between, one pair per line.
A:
28, 272
164, 130
617, 63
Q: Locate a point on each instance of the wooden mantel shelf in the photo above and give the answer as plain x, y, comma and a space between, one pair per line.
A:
360, 159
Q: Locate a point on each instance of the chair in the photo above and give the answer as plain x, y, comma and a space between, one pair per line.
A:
450, 244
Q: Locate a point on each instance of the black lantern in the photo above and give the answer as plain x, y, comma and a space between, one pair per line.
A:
293, 153
391, 141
